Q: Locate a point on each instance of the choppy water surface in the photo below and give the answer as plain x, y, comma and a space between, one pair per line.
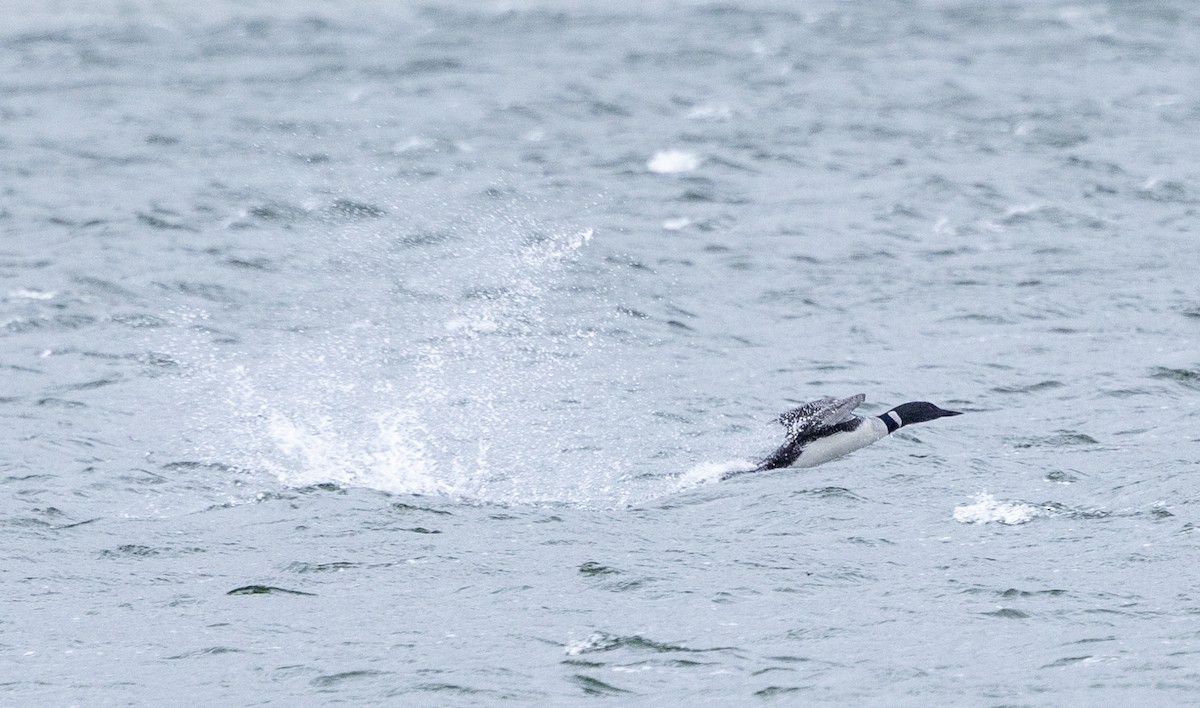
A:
371, 355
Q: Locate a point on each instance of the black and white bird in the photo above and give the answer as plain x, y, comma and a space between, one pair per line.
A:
827, 429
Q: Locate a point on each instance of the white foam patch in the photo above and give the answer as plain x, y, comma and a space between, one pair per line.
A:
413, 144
677, 224
711, 111
668, 162
30, 294
987, 509
710, 473
596, 641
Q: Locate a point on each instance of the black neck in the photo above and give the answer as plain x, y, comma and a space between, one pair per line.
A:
890, 422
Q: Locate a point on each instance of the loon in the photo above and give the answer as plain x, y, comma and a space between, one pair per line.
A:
827, 429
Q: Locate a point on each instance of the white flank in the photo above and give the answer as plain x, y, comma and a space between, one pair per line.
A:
834, 446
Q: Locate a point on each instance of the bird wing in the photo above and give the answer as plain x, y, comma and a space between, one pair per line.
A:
821, 413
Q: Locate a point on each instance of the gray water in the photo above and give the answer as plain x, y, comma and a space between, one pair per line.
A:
386, 355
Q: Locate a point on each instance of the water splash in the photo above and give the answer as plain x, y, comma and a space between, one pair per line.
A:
707, 473
396, 456
491, 390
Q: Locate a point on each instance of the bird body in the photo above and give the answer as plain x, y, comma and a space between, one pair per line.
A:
826, 429
819, 449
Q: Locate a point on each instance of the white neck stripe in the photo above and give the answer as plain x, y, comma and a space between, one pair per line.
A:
896, 417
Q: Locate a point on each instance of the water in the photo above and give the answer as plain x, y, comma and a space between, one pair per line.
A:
386, 355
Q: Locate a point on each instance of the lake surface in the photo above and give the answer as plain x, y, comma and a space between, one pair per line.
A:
387, 355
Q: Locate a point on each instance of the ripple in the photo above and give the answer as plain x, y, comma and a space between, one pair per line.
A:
257, 264
60, 403
133, 550
277, 211
603, 642
207, 651
266, 590
160, 223
406, 507
596, 687
140, 320
1061, 438
447, 688
1013, 592
102, 285
829, 493
1006, 613
343, 677
1165, 190
91, 385
1030, 388
1067, 661
212, 292
217, 467
333, 567
1189, 378
349, 209
772, 691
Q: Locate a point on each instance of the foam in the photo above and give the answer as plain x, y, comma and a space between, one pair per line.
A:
597, 641
31, 294
712, 112
987, 509
668, 162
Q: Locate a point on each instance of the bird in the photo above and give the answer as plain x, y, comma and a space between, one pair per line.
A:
826, 429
